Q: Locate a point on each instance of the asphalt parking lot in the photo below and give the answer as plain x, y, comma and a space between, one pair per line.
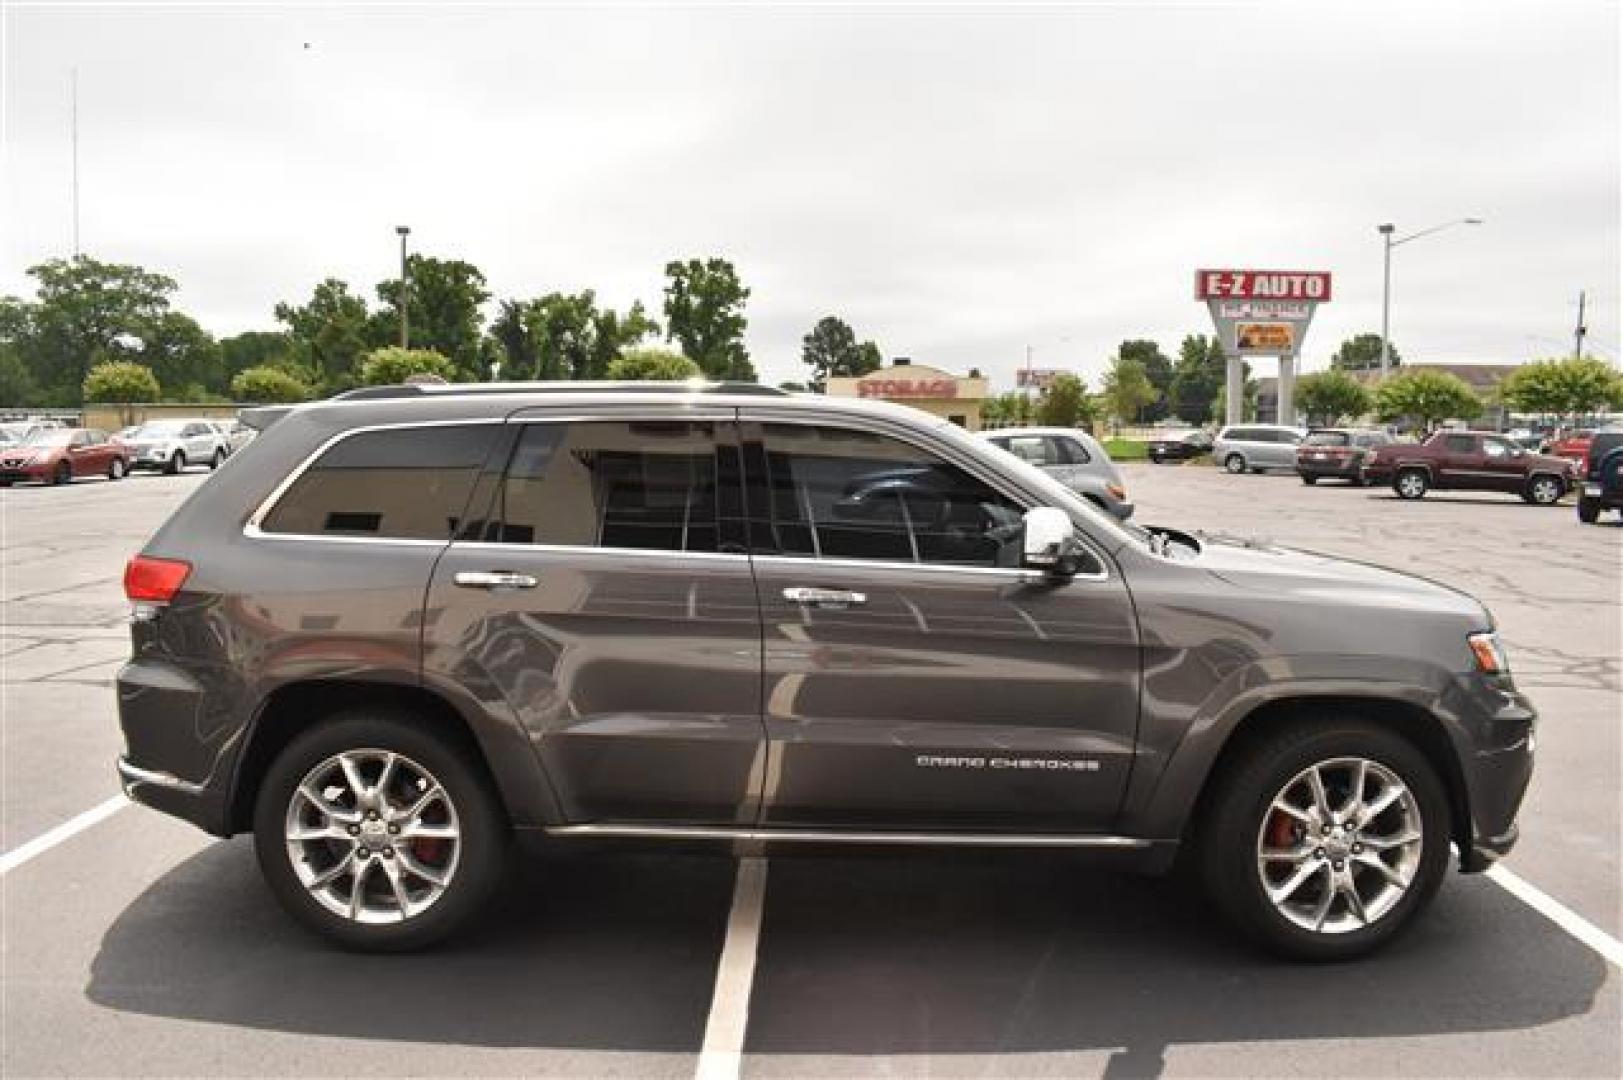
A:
138, 946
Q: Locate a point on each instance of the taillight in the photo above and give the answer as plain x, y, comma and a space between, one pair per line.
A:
154, 581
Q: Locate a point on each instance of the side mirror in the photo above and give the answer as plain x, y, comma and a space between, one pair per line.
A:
1046, 542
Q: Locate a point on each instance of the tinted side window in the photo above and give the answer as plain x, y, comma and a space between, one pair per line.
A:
1460, 444
1244, 434
836, 493
659, 485
407, 483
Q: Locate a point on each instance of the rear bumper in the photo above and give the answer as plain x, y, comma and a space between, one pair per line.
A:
1497, 765
1329, 469
179, 798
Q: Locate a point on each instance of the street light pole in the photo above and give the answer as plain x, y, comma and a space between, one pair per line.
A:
1386, 278
405, 286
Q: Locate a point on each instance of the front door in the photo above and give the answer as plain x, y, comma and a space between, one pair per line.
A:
915, 677
602, 595
1462, 465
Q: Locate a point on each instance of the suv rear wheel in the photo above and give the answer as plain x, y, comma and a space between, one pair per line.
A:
1544, 490
377, 833
1328, 840
1234, 463
1411, 483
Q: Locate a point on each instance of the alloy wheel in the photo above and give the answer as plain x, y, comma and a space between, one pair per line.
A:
1546, 490
1340, 845
373, 836
1411, 485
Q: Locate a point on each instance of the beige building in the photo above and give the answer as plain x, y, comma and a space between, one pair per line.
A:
942, 393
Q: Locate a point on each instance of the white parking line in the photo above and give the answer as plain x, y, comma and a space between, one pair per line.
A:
722, 1056
1548, 906
65, 831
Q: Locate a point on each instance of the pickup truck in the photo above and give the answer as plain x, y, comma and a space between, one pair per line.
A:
1470, 461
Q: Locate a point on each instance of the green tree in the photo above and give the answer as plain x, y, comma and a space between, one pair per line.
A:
613, 334
443, 311
832, 352
253, 348
182, 353
1426, 398
562, 329
1126, 389
268, 384
1007, 410
84, 310
1065, 402
330, 334
121, 381
1328, 397
17, 386
704, 313
1362, 352
1196, 378
392, 365
519, 358
1571, 387
1158, 369
652, 364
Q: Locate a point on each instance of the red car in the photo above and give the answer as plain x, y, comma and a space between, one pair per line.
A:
1574, 446
60, 455
1470, 461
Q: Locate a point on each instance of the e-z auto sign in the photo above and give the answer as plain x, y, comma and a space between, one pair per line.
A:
1313, 285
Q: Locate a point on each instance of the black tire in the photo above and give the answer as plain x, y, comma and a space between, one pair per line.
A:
481, 823
1544, 490
218, 459
1309, 479
1411, 483
62, 474
117, 470
1235, 463
1588, 511
176, 463
1236, 814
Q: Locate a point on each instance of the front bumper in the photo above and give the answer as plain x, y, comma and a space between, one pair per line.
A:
22, 474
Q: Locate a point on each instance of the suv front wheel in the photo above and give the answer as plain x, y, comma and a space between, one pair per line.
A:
378, 833
1328, 840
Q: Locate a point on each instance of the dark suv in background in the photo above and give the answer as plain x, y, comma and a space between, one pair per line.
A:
402, 625
1600, 481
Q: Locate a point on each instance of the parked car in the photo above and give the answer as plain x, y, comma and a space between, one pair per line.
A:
1470, 461
171, 445
1072, 457
1337, 453
13, 432
1574, 446
1601, 476
1526, 438
1179, 446
1256, 447
237, 434
61, 455
423, 618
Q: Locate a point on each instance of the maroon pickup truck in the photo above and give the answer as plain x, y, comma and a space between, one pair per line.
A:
1470, 461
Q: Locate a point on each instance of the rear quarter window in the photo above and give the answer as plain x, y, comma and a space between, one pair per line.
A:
402, 483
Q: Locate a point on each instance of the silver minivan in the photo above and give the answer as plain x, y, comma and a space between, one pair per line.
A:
1072, 457
1257, 447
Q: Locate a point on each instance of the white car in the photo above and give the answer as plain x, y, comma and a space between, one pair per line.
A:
237, 434
171, 445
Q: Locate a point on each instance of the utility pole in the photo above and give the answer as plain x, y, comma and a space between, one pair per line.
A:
1386, 301
405, 287
75, 130
1580, 330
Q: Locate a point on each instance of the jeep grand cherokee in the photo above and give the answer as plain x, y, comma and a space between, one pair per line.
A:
411, 622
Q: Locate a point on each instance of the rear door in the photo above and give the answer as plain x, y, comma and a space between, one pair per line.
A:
915, 677
601, 597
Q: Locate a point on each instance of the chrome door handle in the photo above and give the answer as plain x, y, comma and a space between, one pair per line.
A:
494, 579
830, 597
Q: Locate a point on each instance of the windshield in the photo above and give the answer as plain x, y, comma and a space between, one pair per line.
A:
1329, 438
49, 438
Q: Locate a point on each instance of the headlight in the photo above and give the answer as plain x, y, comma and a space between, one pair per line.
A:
1489, 653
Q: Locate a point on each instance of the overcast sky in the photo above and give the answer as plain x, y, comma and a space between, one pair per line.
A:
958, 183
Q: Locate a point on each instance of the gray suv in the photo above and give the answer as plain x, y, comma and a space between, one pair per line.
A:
403, 626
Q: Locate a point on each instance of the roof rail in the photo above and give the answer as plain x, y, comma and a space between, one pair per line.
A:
375, 393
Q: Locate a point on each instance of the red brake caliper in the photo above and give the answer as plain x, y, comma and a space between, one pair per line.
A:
1281, 830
